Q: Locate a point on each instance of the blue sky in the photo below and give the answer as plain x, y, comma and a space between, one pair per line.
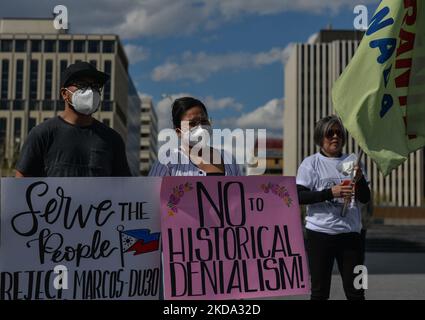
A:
228, 53
250, 86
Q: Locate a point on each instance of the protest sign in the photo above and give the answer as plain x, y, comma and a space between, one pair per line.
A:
80, 238
232, 238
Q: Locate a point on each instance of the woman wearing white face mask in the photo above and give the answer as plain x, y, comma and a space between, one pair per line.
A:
74, 144
194, 157
191, 122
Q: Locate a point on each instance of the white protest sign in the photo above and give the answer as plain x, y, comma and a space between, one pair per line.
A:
80, 238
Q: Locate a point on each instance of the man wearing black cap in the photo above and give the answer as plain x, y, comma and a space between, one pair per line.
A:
74, 144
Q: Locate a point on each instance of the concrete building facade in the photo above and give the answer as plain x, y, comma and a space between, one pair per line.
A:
33, 54
310, 73
148, 135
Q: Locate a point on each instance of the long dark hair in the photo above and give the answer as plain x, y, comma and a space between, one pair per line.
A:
181, 105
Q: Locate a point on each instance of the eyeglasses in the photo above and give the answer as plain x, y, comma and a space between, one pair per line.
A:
198, 121
331, 133
84, 85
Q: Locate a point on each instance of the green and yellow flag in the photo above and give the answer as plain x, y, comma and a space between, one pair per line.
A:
380, 96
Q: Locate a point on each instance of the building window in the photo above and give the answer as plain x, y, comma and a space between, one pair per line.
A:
36, 45
108, 46
63, 64
107, 88
48, 105
48, 80
107, 105
33, 79
31, 123
4, 79
18, 104
34, 105
20, 45
6, 45
19, 79
49, 45
93, 63
64, 45
3, 130
79, 46
4, 104
17, 128
94, 46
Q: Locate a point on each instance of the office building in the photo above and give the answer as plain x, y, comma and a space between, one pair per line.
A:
148, 135
33, 54
310, 73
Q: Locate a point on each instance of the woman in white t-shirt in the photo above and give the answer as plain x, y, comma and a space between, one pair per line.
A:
331, 233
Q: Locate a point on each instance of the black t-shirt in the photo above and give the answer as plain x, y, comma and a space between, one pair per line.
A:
57, 148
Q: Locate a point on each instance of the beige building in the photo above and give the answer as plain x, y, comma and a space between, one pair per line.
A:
148, 135
274, 160
310, 73
33, 55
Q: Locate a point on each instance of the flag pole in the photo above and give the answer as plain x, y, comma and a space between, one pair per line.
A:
120, 229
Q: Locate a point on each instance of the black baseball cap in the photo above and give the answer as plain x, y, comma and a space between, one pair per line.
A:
82, 69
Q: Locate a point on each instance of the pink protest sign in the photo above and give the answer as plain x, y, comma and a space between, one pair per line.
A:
232, 238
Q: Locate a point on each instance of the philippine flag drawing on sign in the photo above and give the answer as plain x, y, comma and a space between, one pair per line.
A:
139, 241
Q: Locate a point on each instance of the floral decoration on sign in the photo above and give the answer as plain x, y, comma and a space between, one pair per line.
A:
278, 190
175, 197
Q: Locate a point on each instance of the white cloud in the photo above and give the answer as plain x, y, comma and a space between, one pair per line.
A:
222, 103
200, 66
231, 8
143, 95
274, 55
268, 116
313, 38
140, 18
136, 53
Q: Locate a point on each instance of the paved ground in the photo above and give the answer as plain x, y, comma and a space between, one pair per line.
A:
392, 276
395, 260
383, 238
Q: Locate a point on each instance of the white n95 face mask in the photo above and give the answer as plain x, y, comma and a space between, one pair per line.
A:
195, 134
85, 101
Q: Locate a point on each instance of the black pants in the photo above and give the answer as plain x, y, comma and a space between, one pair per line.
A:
322, 250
